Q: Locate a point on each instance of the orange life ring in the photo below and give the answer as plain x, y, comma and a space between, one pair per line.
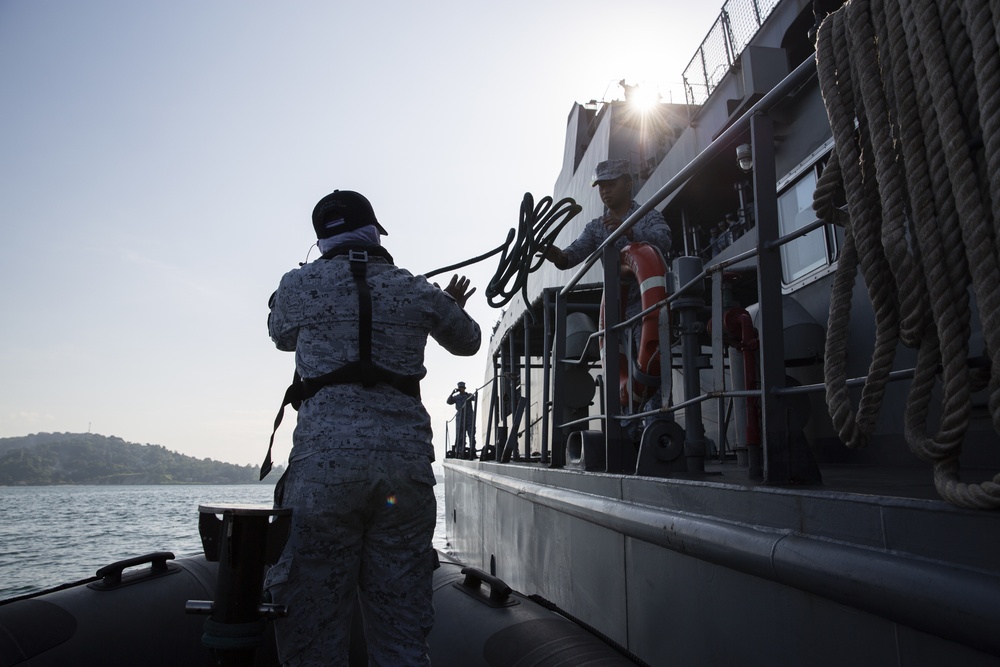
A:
646, 264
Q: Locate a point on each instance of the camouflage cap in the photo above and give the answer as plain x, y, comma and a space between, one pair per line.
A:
609, 170
341, 211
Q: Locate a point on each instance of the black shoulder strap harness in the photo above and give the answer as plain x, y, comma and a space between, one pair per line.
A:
363, 371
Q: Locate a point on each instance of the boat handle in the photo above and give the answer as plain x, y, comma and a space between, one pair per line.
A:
474, 578
112, 574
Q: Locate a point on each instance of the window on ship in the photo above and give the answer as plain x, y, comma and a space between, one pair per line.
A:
807, 255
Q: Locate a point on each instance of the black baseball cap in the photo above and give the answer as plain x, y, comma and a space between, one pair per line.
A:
342, 211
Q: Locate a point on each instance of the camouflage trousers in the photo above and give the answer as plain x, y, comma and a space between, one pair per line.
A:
362, 525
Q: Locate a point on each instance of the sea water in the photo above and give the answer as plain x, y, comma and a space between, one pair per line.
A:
51, 535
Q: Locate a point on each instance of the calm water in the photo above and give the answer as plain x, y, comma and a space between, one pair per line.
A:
51, 535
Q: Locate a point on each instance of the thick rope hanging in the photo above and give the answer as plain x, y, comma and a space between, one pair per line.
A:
912, 90
537, 229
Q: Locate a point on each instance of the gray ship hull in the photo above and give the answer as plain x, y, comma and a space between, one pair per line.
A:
709, 571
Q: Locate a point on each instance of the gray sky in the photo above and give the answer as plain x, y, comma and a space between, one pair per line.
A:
159, 162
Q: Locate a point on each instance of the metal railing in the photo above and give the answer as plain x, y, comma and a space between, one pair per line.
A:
777, 449
736, 25
725, 141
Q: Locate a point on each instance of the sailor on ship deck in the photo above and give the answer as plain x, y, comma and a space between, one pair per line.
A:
465, 421
613, 178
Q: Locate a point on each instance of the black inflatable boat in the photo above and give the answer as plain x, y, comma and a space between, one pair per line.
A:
139, 612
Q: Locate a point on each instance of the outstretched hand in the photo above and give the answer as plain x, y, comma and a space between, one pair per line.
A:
459, 290
556, 256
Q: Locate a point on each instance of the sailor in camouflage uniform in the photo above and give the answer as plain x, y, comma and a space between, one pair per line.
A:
359, 477
614, 180
465, 421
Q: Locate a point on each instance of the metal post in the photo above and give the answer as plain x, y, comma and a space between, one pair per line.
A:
546, 370
688, 308
492, 418
666, 358
558, 382
613, 431
687, 235
527, 390
728, 40
514, 380
782, 463
718, 359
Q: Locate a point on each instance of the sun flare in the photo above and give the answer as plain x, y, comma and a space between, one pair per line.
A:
641, 96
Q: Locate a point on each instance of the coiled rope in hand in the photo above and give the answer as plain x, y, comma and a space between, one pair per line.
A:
912, 90
537, 229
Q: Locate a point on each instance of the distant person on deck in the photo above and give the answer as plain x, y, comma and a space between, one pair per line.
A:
465, 421
359, 478
613, 178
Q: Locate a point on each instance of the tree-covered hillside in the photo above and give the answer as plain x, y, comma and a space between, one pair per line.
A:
88, 458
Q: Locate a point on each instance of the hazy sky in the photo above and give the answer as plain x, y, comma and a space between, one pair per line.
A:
159, 162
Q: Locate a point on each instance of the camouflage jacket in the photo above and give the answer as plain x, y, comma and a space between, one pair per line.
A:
651, 228
315, 314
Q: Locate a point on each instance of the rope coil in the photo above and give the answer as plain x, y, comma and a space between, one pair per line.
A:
537, 229
912, 91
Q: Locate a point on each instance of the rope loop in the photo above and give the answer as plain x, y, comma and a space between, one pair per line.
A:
523, 252
912, 91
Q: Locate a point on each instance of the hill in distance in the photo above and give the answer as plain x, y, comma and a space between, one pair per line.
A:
42, 459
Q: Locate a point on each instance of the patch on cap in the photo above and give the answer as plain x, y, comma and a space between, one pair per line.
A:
342, 211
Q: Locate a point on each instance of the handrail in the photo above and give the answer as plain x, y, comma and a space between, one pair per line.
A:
894, 376
722, 47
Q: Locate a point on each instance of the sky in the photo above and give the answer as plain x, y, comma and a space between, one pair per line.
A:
159, 162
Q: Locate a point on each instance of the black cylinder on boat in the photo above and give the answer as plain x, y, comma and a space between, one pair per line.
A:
244, 542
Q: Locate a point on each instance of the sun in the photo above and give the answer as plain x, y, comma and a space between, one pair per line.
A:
641, 97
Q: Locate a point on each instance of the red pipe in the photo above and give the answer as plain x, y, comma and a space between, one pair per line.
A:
741, 334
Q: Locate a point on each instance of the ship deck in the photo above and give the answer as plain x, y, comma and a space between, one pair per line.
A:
899, 482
